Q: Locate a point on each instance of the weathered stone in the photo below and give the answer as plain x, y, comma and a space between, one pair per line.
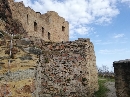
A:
26, 57
63, 68
25, 41
1, 35
122, 77
45, 95
47, 26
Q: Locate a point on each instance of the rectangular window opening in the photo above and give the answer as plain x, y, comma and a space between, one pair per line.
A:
63, 28
27, 19
35, 26
48, 35
42, 31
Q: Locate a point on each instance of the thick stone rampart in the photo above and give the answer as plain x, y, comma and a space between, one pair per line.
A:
68, 69
62, 69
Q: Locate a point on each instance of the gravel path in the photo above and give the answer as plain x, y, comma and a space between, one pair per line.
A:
112, 90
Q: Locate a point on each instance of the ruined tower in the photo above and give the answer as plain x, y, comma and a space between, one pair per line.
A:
48, 26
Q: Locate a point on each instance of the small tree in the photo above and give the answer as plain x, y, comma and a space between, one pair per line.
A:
103, 70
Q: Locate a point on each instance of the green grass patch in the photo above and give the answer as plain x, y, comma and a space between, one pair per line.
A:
102, 88
107, 79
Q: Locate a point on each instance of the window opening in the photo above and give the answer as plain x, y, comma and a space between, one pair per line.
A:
48, 35
35, 26
42, 31
63, 28
27, 19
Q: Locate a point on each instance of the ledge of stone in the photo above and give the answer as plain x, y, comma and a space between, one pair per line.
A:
122, 61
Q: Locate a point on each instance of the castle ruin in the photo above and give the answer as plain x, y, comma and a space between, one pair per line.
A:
44, 62
48, 26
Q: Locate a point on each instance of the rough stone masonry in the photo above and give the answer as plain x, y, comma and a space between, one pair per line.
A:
48, 26
42, 68
122, 77
68, 69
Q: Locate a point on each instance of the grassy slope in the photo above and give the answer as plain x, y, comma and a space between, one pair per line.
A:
102, 88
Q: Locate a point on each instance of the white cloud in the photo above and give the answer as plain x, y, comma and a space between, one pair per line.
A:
82, 30
79, 13
103, 43
97, 41
125, 1
119, 35
97, 35
114, 41
26, 2
114, 51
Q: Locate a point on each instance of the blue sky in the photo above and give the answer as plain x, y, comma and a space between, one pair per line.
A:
105, 22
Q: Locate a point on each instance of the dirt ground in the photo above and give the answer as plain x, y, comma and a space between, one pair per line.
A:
112, 90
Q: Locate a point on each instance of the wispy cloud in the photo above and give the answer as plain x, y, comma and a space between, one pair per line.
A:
114, 51
111, 42
79, 13
97, 35
119, 35
101, 42
125, 1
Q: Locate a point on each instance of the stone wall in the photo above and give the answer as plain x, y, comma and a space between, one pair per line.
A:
2, 25
48, 26
68, 69
63, 69
42, 68
7, 23
122, 78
